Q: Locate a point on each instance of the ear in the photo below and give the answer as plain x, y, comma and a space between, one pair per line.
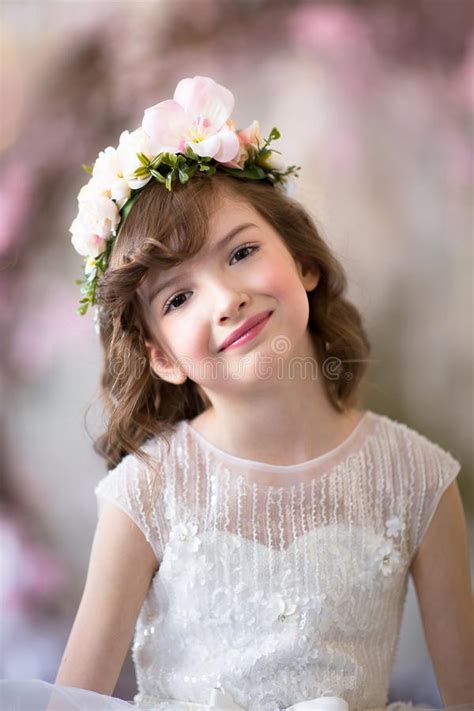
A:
163, 366
309, 275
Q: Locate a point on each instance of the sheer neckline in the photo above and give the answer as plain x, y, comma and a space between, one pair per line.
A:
366, 418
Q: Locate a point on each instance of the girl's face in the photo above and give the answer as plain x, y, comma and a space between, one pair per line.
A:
243, 271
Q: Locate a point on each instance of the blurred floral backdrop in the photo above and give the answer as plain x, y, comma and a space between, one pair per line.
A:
374, 100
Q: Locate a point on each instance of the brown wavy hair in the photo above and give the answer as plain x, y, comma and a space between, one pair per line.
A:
165, 228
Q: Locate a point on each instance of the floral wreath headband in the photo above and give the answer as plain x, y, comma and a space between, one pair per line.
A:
191, 133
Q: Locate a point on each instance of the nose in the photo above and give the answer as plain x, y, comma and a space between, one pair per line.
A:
229, 301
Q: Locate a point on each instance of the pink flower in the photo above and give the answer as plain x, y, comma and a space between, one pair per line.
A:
197, 117
250, 139
240, 159
251, 136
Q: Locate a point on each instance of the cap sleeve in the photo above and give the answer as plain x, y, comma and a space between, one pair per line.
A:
432, 469
137, 489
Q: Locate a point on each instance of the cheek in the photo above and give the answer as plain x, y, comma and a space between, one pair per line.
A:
274, 278
281, 280
286, 286
184, 337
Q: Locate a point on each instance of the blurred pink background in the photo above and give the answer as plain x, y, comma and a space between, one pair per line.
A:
374, 100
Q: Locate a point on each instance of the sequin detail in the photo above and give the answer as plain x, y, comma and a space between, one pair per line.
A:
279, 584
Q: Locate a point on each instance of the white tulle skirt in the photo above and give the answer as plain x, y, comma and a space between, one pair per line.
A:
38, 695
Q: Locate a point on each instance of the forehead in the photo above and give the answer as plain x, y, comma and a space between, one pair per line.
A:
227, 214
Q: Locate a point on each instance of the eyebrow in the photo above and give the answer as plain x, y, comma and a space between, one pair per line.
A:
219, 246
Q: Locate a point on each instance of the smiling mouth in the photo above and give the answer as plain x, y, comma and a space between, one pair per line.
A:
248, 335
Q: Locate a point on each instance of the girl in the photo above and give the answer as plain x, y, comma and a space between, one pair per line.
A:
257, 527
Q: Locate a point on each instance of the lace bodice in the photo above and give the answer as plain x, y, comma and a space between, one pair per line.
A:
277, 583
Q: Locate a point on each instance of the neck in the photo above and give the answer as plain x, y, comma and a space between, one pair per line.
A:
279, 421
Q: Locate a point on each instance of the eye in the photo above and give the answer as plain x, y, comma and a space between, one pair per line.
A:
246, 250
172, 302
241, 253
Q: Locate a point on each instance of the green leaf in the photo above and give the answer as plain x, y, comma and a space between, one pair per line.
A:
254, 172
141, 172
274, 135
157, 160
168, 159
183, 176
264, 153
190, 153
124, 213
143, 159
171, 177
83, 310
160, 178
88, 168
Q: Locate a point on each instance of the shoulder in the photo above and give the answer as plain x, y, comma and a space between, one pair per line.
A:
416, 453
131, 472
140, 470
137, 486
421, 471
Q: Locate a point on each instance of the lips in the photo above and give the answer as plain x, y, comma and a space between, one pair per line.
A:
245, 328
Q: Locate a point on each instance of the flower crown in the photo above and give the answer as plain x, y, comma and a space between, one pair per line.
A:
191, 133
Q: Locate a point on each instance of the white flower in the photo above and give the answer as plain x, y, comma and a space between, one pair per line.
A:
130, 144
273, 161
185, 534
92, 190
108, 174
394, 526
286, 607
97, 218
387, 558
204, 568
84, 242
90, 268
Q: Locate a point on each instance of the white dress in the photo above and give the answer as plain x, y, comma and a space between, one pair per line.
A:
277, 584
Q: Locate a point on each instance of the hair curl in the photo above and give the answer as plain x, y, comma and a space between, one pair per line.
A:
164, 229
